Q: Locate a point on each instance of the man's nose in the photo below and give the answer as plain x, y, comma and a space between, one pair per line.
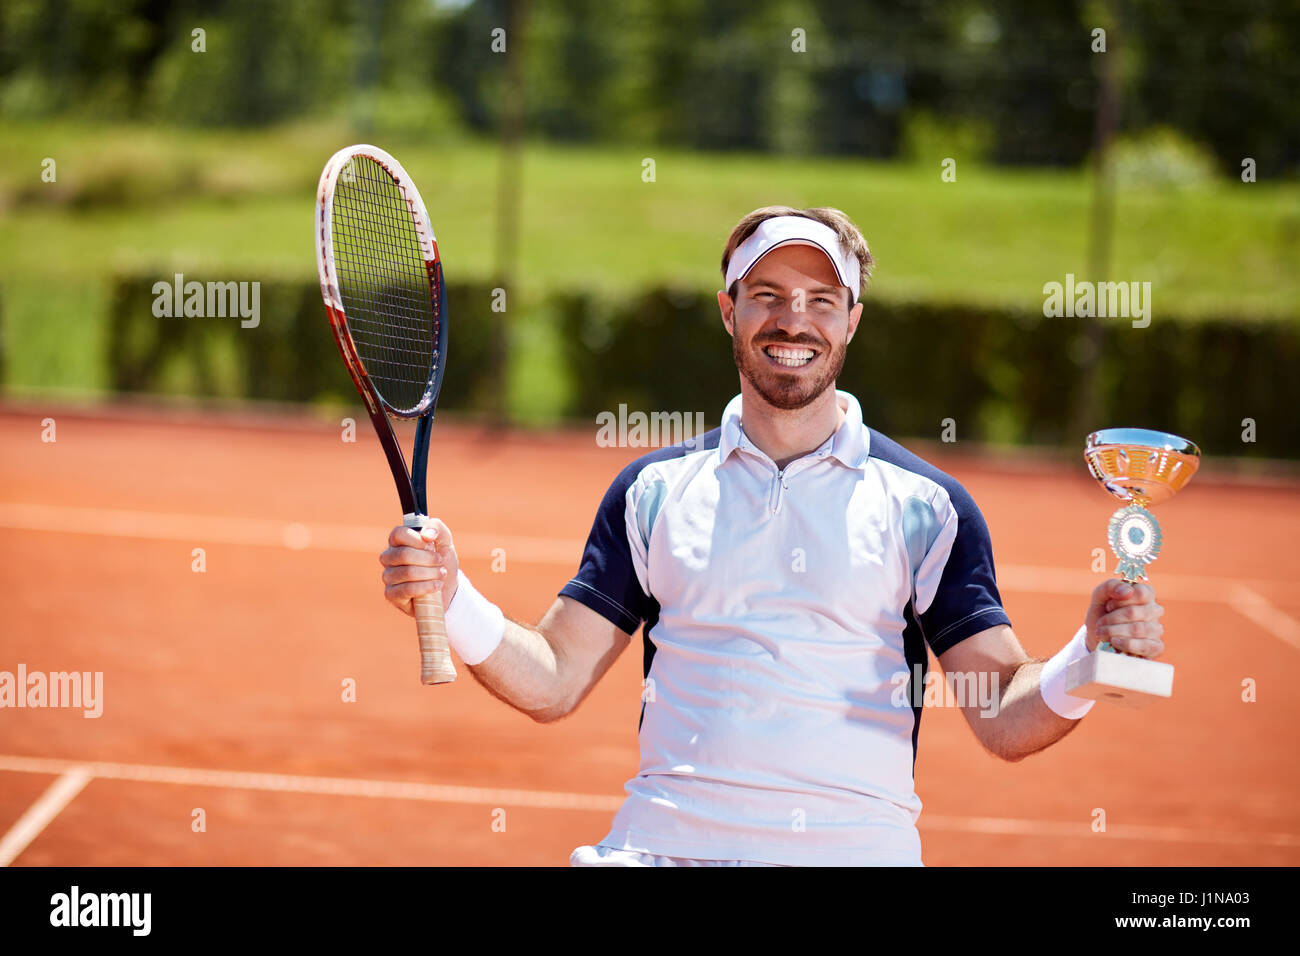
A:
791, 320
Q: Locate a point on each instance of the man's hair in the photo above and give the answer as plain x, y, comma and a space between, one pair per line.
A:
849, 235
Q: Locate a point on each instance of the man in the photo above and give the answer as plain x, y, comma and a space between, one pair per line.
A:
790, 568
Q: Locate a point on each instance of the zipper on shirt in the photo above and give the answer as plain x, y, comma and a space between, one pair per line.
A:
778, 486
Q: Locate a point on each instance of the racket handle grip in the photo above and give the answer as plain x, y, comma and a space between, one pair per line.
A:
435, 655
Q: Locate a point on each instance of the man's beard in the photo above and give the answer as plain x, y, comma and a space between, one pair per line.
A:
788, 390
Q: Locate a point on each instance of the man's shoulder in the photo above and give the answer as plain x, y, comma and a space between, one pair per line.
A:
885, 449
634, 469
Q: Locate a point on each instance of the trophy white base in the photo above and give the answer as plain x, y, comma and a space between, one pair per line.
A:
1105, 675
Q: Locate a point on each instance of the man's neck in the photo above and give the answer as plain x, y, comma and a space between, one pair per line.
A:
786, 435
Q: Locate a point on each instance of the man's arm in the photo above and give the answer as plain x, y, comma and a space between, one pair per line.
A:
544, 671
547, 670
1019, 723
1022, 724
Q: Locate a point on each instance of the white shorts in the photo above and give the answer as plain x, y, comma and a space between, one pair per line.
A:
609, 856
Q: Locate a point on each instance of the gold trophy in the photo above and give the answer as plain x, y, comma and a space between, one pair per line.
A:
1141, 468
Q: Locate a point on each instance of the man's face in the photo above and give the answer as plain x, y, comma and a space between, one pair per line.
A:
790, 325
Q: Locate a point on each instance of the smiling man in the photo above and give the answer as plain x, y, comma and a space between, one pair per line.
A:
788, 570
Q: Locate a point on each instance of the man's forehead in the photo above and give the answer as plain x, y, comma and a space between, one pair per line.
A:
794, 265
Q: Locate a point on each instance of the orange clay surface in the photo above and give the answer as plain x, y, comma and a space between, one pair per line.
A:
243, 668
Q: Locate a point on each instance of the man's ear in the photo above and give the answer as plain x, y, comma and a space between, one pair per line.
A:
855, 315
728, 310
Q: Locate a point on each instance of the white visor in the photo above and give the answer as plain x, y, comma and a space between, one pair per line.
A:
795, 231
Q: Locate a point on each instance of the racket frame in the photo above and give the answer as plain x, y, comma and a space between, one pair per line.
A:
411, 483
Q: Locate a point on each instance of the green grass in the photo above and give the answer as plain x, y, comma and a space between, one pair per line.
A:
238, 205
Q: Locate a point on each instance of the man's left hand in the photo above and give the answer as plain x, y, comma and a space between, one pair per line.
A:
1127, 616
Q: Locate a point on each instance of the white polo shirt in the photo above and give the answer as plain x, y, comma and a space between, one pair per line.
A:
782, 611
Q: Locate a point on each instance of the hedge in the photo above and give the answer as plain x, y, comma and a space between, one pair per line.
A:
1002, 375
290, 355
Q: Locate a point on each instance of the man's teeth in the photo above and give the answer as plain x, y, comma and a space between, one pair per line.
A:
791, 357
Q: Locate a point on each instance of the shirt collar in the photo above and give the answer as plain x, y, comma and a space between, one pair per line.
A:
850, 443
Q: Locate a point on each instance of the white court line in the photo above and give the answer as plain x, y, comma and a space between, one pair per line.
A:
1253, 605
1237, 594
47, 806
1031, 579
333, 786
263, 532
553, 800
1115, 831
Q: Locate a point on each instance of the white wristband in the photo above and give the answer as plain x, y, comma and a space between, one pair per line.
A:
475, 626
1051, 681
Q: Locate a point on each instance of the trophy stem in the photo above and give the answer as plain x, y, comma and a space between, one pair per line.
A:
1135, 538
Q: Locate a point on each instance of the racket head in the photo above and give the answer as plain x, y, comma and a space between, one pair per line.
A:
381, 280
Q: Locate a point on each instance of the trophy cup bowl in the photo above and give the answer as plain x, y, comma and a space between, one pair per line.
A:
1141, 468
1137, 464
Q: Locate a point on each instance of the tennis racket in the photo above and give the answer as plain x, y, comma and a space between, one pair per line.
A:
381, 279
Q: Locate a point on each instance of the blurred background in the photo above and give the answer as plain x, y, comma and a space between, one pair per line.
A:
590, 158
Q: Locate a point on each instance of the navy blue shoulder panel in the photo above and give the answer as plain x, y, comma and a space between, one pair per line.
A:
967, 601
606, 580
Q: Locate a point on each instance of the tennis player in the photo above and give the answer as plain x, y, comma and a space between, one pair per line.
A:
788, 570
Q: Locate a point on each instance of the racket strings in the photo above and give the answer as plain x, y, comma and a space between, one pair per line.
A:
391, 309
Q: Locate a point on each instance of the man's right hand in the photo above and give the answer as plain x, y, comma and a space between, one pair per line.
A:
419, 562
525, 670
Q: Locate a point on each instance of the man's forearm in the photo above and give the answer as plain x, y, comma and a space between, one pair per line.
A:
524, 671
1024, 724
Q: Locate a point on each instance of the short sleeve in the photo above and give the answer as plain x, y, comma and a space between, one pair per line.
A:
956, 591
609, 580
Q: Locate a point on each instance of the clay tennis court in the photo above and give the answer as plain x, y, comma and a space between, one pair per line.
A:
223, 689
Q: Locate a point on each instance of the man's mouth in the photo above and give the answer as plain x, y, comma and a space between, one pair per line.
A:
789, 356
